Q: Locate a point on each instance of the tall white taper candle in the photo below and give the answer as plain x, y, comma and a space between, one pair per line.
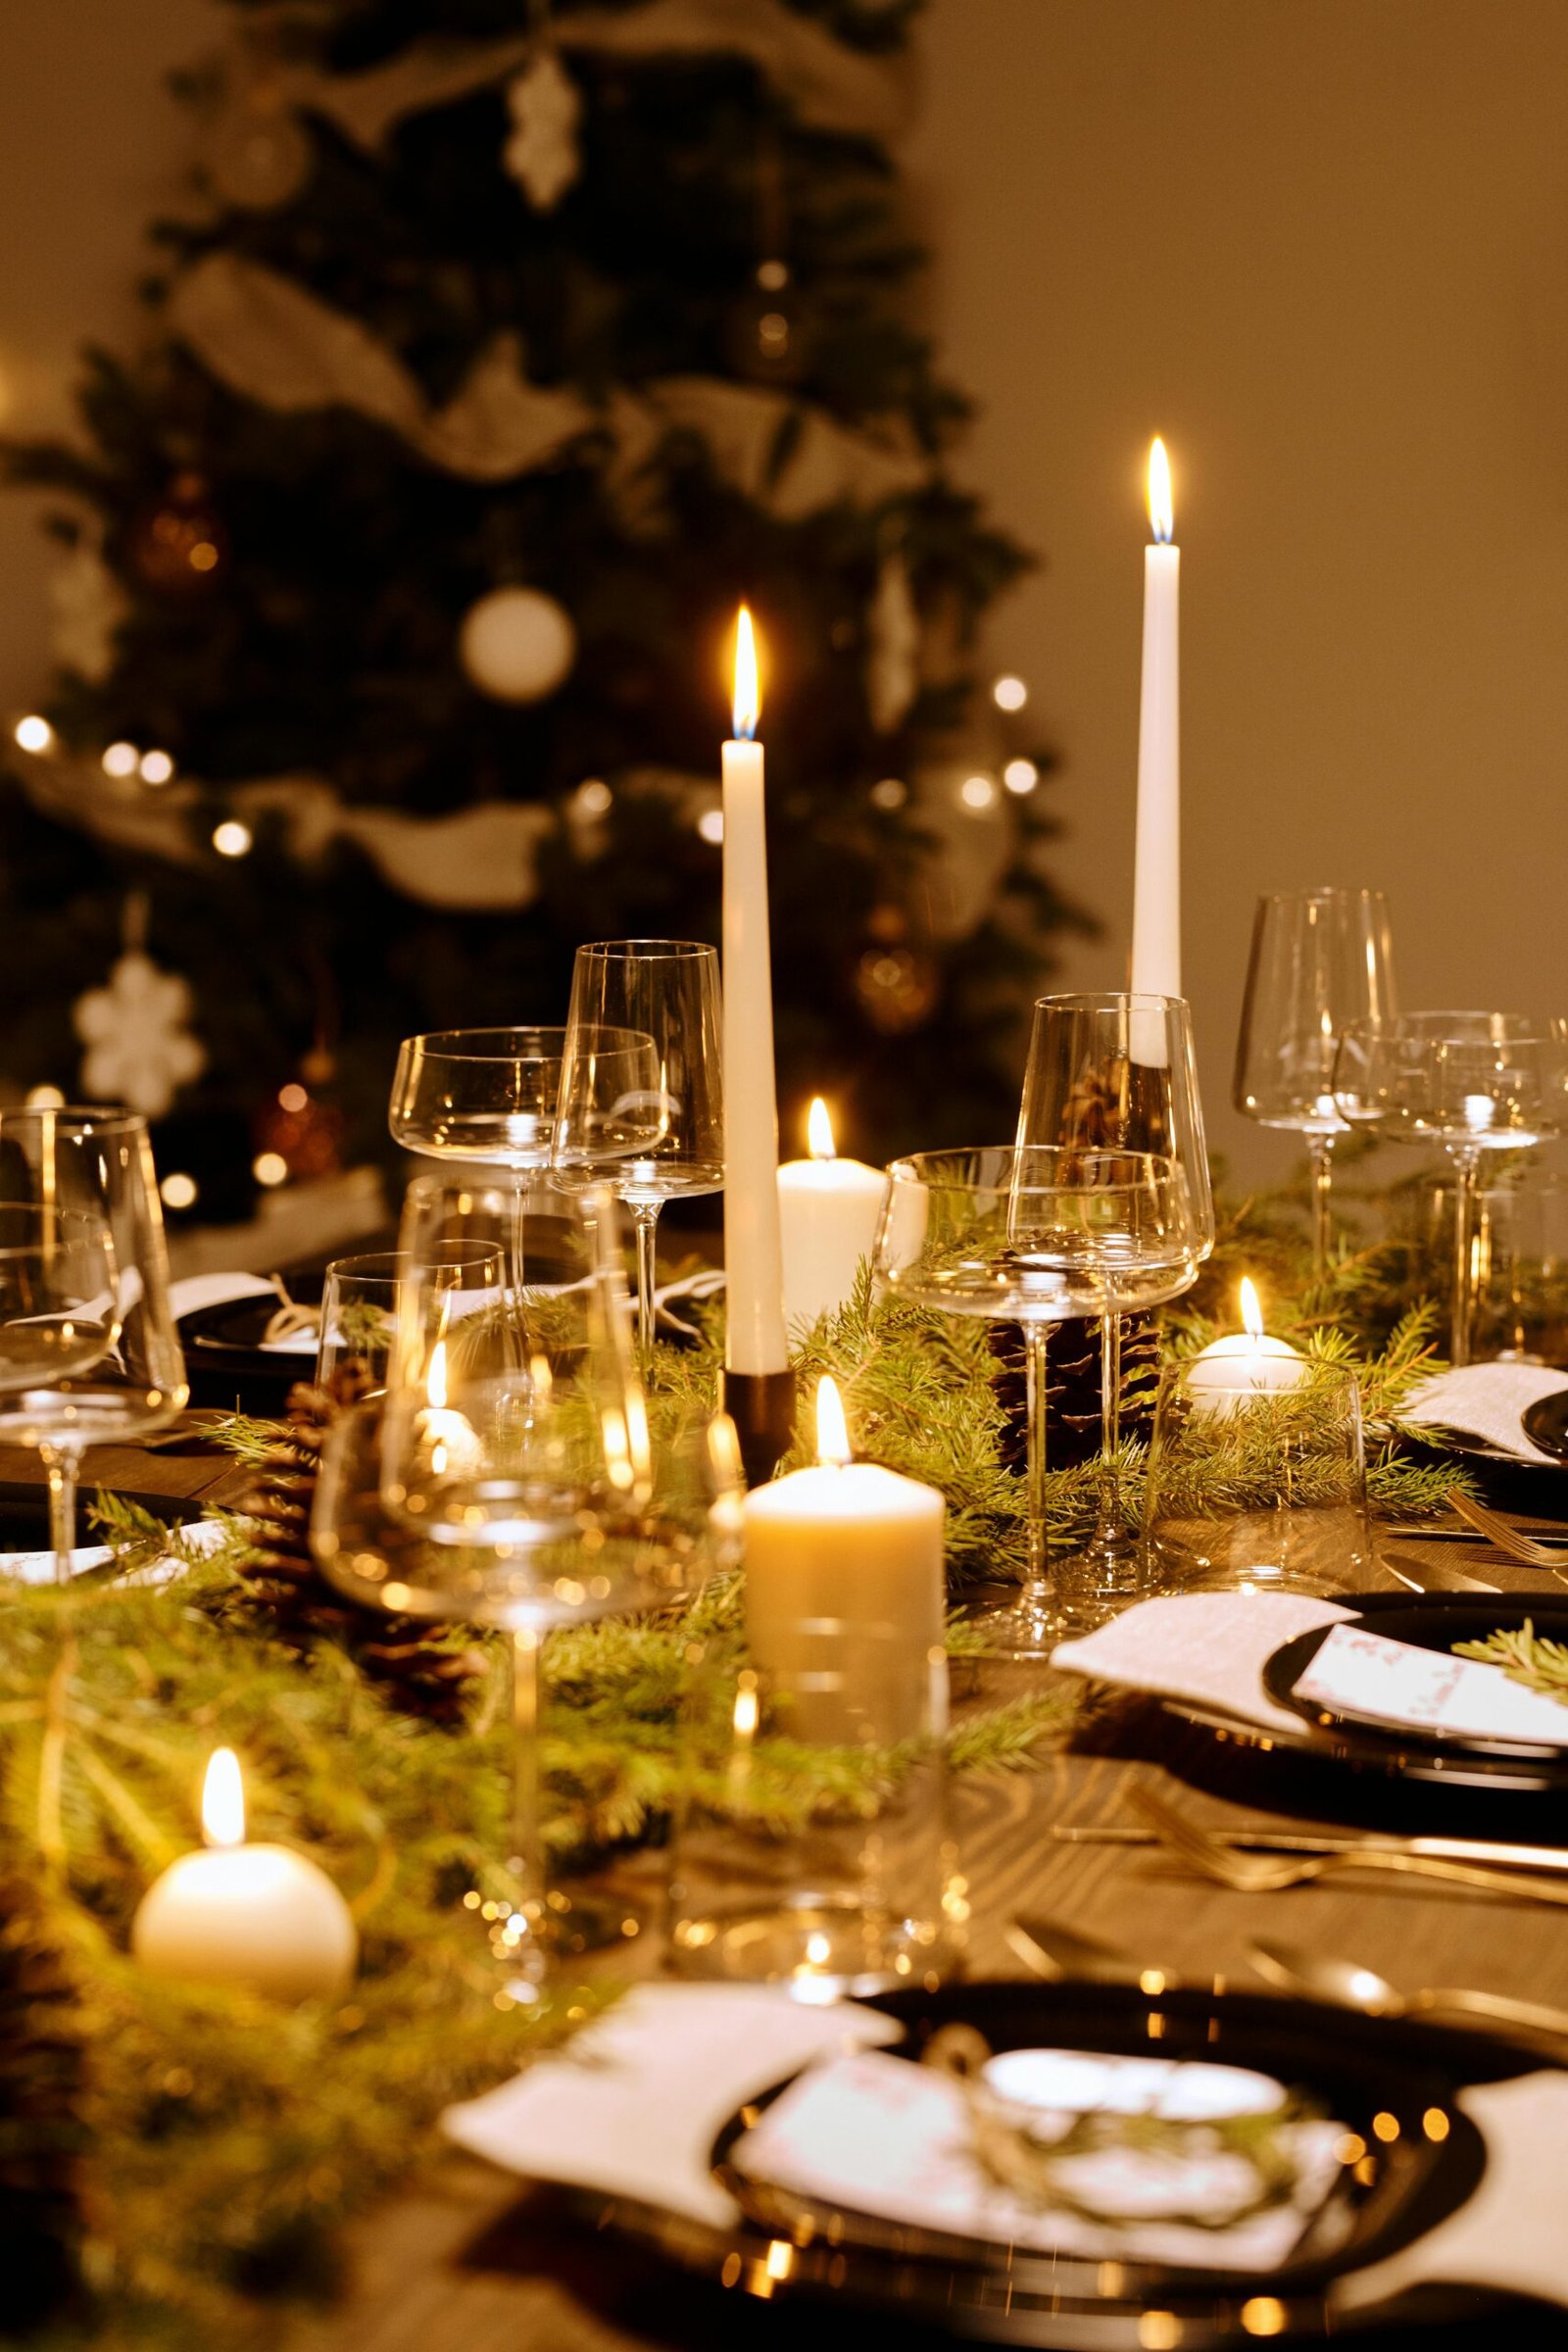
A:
752, 1256
1156, 966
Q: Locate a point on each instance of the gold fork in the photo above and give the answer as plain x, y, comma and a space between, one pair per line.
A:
1270, 1874
1497, 1530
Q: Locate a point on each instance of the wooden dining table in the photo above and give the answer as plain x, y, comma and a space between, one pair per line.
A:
465, 2258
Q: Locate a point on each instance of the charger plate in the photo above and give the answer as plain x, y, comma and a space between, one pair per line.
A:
787, 2249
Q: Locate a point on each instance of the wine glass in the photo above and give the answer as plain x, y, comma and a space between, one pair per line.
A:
90, 1353
485, 1095
519, 1487
1116, 1073
1320, 960
1034, 1237
366, 1317
647, 1141
1471, 1082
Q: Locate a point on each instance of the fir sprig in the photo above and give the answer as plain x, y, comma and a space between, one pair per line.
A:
1525, 1656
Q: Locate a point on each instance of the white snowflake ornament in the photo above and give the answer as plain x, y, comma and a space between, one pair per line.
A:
893, 671
542, 153
140, 1049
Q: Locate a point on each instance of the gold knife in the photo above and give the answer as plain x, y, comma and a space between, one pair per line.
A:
1485, 1850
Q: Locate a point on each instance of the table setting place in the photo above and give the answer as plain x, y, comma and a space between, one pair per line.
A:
625, 1673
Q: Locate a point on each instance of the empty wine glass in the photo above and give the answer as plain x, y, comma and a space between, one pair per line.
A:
483, 1095
660, 1135
367, 1313
1320, 960
1473, 1083
1034, 1237
90, 1353
1114, 1073
519, 1487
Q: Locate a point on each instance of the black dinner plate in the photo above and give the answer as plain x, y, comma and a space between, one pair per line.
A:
225, 1361
1436, 1623
1537, 1489
1546, 1422
1356, 2068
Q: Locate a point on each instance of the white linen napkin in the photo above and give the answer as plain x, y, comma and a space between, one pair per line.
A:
38, 1567
635, 2103
1488, 1400
1511, 2233
197, 1290
1208, 1648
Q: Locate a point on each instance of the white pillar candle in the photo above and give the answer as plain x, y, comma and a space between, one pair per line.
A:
846, 1591
1157, 961
753, 1255
257, 1916
1245, 1363
829, 1210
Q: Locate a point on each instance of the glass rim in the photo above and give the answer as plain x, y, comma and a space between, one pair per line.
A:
1097, 1000
371, 1265
650, 951
77, 1117
433, 1047
908, 1168
1325, 893
1420, 1028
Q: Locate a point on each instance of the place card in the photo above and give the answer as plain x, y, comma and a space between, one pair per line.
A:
881, 2136
1361, 1674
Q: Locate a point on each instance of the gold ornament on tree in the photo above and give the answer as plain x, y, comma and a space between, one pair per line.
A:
897, 984
517, 644
178, 546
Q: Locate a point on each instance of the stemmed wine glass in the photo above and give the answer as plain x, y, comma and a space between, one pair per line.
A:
1321, 960
513, 1481
1034, 1237
643, 1143
1114, 1073
488, 1097
1471, 1082
90, 1353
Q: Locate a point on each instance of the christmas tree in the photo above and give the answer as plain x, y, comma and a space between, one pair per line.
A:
501, 353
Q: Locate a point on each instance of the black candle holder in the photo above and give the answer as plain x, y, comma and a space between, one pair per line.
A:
762, 1405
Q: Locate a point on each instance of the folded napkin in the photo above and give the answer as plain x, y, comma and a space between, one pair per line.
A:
1208, 1648
634, 2107
197, 1290
1488, 1400
1509, 2234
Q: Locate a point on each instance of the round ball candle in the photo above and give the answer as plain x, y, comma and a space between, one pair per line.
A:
829, 1210
844, 1590
1243, 1363
259, 1916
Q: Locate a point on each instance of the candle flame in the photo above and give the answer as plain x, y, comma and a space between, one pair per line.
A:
435, 1380
747, 694
1162, 512
832, 1431
223, 1800
1252, 1312
819, 1131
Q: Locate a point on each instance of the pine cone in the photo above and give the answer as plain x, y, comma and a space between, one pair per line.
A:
1073, 1387
41, 2126
415, 1668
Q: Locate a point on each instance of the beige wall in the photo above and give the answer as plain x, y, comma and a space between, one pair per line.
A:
1322, 245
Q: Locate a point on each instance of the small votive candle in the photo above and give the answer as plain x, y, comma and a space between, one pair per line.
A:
1245, 1363
261, 1917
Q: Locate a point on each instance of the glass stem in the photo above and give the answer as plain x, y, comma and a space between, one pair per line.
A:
517, 1275
645, 1216
1036, 1342
1108, 1511
1464, 1221
62, 1465
526, 1861
1321, 1151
